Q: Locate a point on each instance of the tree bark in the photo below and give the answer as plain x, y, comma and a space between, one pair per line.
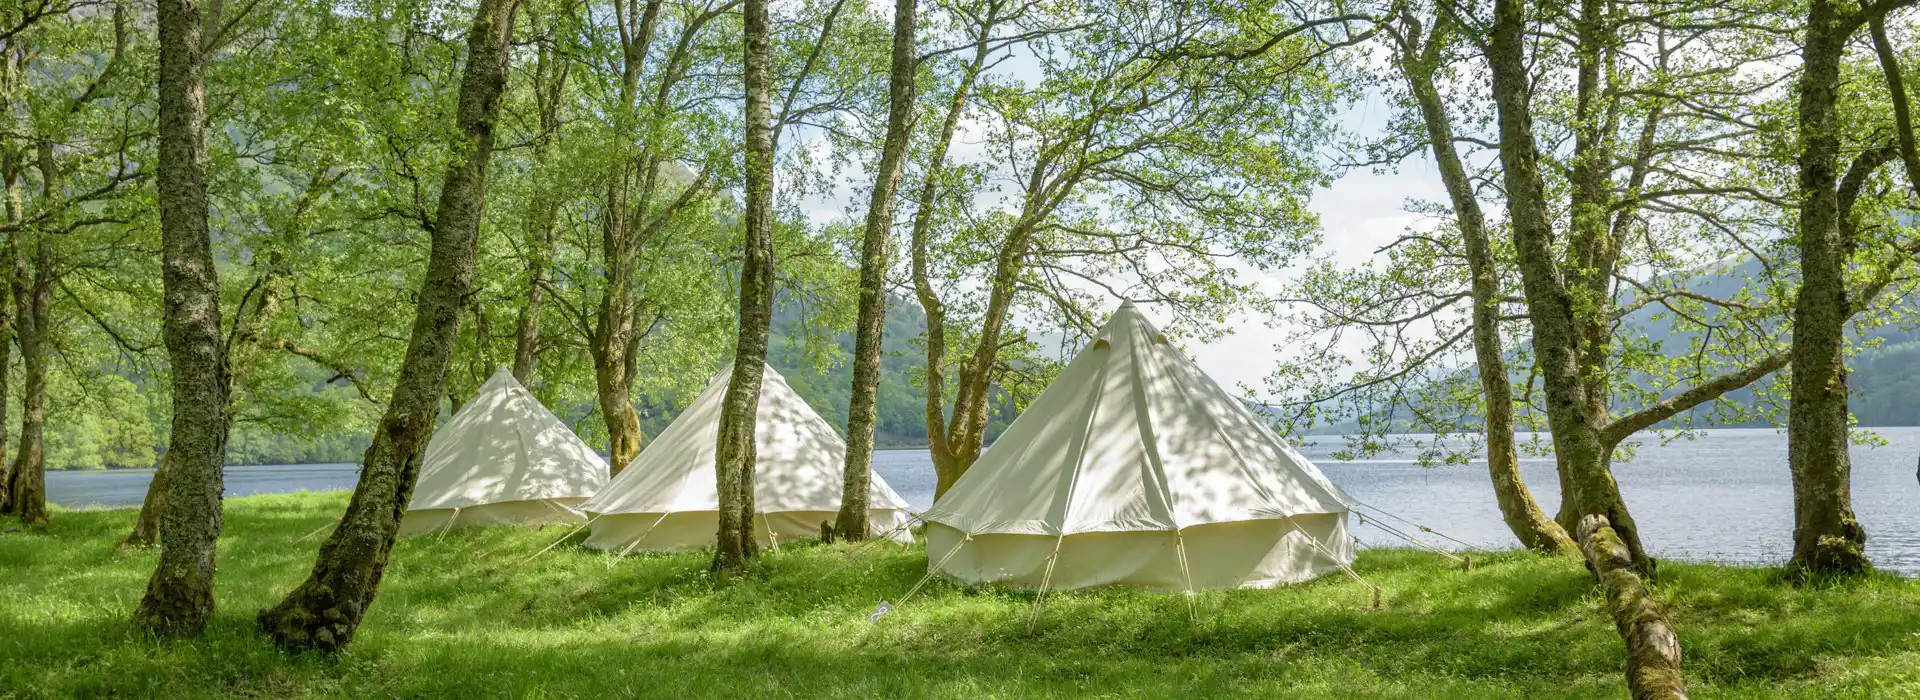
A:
32, 290
862, 405
1653, 650
1518, 508
252, 323
324, 611
735, 448
1827, 539
179, 596
16, 212
1574, 414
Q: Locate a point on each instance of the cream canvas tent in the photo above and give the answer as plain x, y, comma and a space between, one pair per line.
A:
666, 500
1134, 468
503, 459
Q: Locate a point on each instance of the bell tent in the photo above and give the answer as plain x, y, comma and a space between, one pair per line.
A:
1134, 468
503, 459
667, 499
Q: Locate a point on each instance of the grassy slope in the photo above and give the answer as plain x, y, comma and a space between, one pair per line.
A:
465, 618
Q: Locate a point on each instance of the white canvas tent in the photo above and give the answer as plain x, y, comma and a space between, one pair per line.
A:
667, 500
1134, 468
503, 459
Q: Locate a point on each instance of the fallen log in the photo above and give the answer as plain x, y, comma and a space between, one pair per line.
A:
1653, 650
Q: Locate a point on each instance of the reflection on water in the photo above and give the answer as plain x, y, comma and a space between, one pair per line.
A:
1724, 496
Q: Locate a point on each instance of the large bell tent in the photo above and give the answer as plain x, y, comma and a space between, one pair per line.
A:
1135, 468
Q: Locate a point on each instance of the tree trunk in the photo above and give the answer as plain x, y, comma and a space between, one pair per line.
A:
966, 428
251, 324
1827, 539
146, 525
735, 448
323, 612
32, 287
611, 345
613, 383
549, 85
1653, 650
1582, 455
16, 211
939, 446
1518, 508
526, 336
180, 594
874, 261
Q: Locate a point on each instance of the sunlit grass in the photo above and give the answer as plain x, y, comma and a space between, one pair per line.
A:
470, 616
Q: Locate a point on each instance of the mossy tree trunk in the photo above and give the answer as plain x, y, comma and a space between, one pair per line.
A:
16, 212
32, 291
1418, 58
1827, 539
735, 449
862, 406
1575, 413
324, 611
1653, 649
179, 596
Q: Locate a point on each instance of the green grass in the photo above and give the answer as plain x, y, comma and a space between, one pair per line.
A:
464, 617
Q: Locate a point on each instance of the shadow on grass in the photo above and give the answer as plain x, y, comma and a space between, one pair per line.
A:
472, 615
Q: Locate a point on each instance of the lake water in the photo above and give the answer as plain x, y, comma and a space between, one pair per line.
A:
1724, 496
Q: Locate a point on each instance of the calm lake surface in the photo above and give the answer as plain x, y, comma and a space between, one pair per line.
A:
1724, 496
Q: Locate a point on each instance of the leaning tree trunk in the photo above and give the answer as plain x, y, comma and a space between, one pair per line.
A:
1518, 508
180, 595
1827, 539
862, 405
1653, 650
323, 612
32, 287
735, 450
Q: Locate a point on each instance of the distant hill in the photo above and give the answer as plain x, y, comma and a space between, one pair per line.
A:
1883, 379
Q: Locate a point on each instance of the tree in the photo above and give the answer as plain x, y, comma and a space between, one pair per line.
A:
637, 209
1418, 57
1616, 176
852, 522
735, 450
1827, 539
549, 87
1135, 166
180, 595
325, 610
78, 195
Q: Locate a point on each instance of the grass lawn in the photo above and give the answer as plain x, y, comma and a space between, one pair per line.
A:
465, 617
